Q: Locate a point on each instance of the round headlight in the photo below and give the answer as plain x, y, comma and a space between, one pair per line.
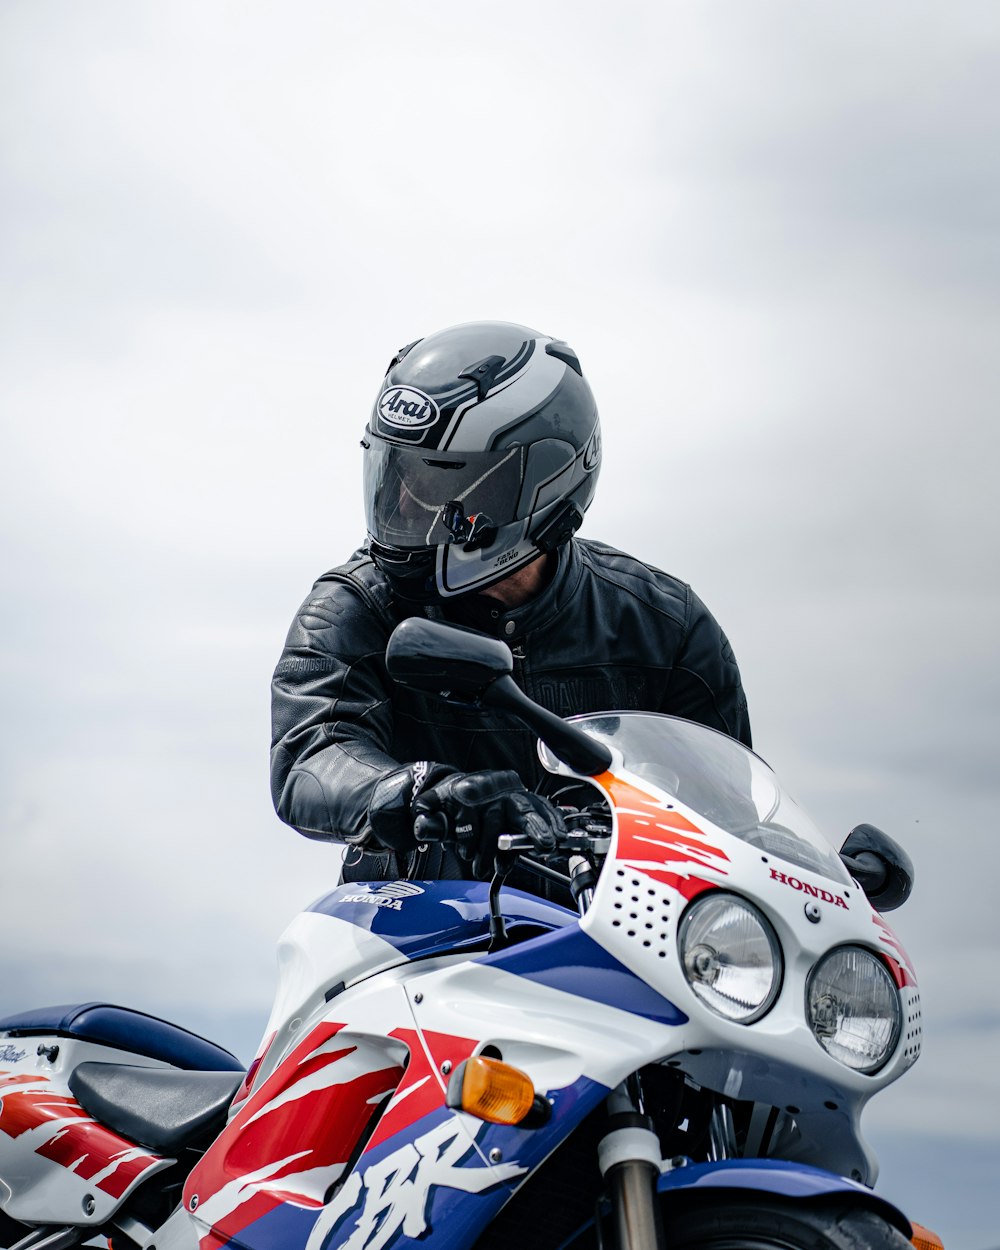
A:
853, 1008
731, 956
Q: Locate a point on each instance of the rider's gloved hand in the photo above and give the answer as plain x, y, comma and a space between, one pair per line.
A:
471, 810
390, 809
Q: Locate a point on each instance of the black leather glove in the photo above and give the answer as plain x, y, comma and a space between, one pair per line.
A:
471, 810
390, 810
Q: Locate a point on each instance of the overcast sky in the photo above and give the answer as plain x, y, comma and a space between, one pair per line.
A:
771, 232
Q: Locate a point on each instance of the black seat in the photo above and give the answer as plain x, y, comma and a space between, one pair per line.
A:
160, 1108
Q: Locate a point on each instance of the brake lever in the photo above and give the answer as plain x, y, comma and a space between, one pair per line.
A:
514, 842
502, 865
574, 842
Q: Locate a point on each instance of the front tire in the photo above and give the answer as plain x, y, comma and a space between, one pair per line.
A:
770, 1224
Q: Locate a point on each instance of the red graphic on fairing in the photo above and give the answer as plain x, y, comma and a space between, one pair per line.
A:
899, 962
653, 837
244, 1090
292, 1138
67, 1135
422, 1089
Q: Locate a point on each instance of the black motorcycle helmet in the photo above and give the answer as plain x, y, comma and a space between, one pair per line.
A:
482, 452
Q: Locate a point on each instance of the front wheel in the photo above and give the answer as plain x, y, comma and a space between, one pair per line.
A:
770, 1224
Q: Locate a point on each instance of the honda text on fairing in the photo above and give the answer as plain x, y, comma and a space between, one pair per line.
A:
680, 1063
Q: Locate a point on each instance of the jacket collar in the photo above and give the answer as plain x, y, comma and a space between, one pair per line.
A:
489, 615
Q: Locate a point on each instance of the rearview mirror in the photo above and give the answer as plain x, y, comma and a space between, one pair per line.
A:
467, 667
446, 660
879, 865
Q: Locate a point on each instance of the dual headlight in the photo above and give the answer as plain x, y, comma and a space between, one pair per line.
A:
731, 956
853, 1008
732, 960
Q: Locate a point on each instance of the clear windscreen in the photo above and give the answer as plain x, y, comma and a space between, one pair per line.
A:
716, 777
406, 489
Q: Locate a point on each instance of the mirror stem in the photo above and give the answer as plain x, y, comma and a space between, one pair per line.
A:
574, 747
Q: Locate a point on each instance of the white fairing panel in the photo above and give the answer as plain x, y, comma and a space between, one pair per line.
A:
57, 1164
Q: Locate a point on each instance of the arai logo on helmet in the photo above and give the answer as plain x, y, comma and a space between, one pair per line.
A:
402, 405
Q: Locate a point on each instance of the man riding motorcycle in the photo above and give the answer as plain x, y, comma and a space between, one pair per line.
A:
481, 457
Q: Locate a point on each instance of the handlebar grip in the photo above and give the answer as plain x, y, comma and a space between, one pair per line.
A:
431, 827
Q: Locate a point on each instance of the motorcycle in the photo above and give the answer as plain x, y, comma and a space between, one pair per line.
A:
678, 1061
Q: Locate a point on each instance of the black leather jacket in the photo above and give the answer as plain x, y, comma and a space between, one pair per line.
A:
607, 633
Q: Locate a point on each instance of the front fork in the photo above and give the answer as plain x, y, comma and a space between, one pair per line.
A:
629, 1152
629, 1158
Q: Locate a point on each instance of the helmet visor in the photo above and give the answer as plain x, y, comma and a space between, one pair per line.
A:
407, 488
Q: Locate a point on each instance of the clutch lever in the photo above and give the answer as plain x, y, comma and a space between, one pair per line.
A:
514, 842
576, 842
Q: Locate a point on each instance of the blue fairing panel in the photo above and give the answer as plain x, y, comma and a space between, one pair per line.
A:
427, 1185
434, 1189
569, 960
125, 1030
778, 1176
423, 918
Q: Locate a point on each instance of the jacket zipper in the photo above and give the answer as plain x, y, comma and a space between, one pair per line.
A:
520, 655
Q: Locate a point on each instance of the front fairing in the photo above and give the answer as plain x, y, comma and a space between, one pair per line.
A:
695, 811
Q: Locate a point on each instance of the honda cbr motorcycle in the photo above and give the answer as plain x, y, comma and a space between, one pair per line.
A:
678, 1062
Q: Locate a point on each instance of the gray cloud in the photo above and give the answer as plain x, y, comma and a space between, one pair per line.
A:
769, 229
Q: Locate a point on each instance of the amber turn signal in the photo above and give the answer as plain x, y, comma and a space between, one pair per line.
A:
924, 1239
493, 1091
